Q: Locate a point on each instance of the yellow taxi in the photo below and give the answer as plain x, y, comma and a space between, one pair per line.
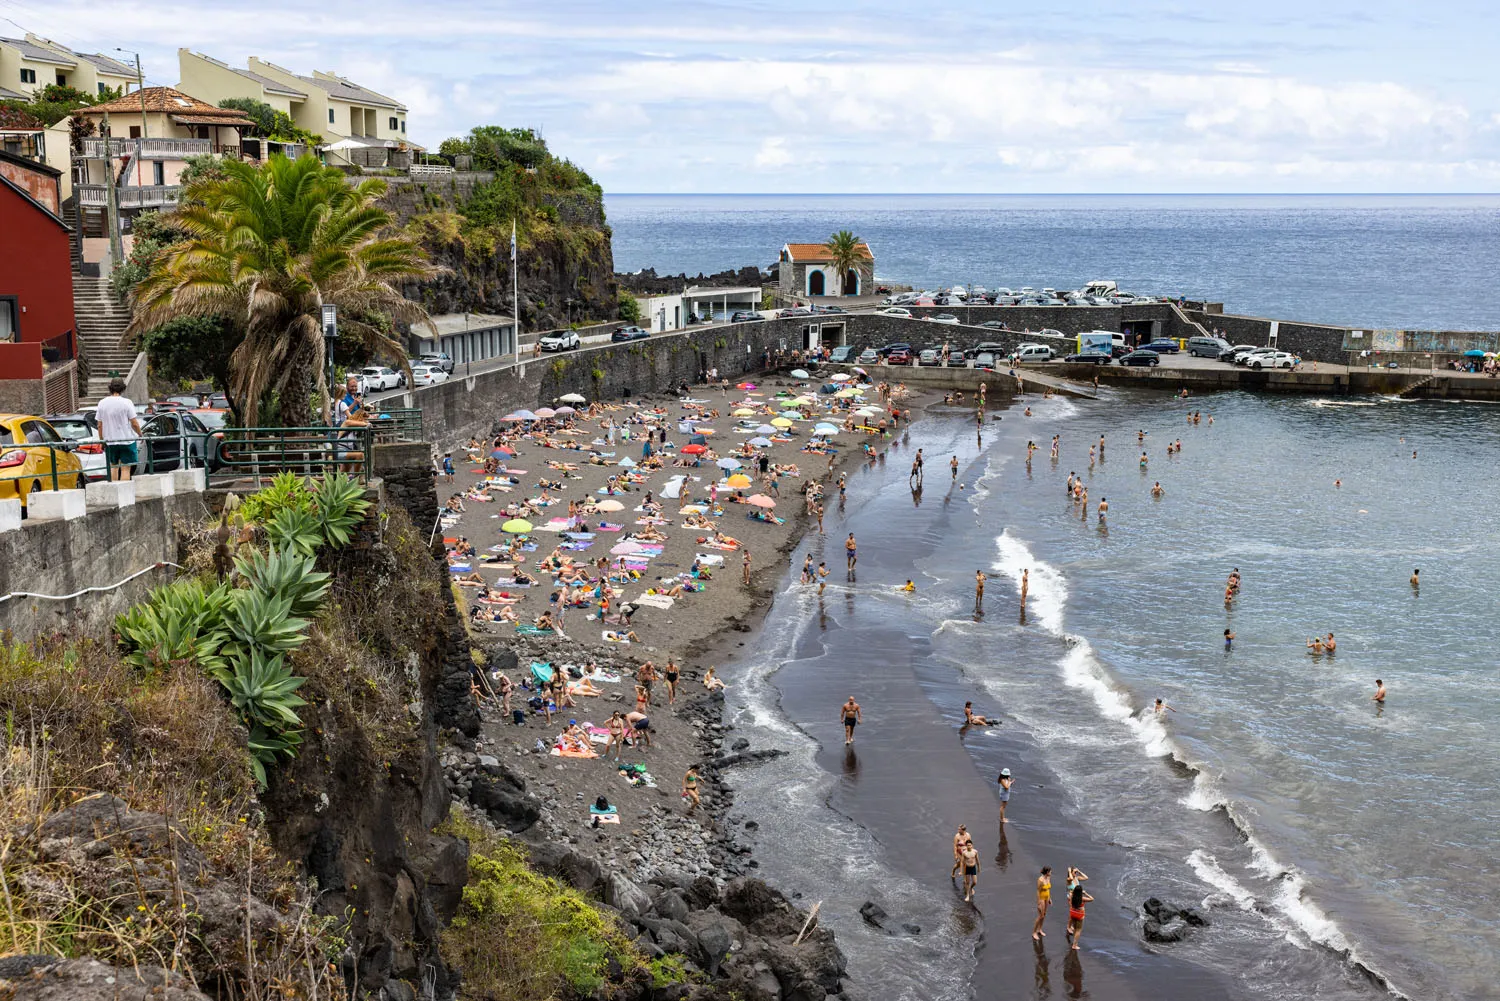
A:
28, 449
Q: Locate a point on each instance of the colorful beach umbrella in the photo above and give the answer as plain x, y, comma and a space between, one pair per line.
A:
694, 449
744, 412
565, 411
781, 422
840, 377
516, 526
766, 429
760, 500
546, 412
738, 481
627, 548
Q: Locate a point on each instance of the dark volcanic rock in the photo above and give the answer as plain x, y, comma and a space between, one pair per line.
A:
47, 978
873, 914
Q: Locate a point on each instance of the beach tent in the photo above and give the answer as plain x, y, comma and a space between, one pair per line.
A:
697, 439
627, 463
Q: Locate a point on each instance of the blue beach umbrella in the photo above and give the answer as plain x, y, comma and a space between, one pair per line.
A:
760, 442
1476, 353
727, 463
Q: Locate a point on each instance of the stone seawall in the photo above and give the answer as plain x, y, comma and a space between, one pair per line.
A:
1311, 341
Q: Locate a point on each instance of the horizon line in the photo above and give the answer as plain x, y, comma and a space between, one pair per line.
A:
1058, 194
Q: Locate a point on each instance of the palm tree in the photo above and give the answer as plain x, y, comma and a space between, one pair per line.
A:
843, 247
267, 247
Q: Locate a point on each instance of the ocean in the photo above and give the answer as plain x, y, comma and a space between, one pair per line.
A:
1341, 849
1403, 261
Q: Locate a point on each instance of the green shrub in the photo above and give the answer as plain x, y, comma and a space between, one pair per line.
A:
299, 531
341, 505
182, 621
287, 490
630, 307
288, 575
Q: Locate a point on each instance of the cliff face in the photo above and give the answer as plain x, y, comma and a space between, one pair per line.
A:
564, 253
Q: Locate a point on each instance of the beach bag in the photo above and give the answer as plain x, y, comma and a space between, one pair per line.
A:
518, 716
601, 804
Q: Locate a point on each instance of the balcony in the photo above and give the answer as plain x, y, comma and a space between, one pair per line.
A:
149, 196
150, 149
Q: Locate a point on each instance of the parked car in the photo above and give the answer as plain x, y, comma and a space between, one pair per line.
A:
929, 358
427, 375
438, 359
1089, 358
991, 347
1033, 352
868, 356
795, 311
745, 316
561, 340
1162, 347
943, 318
896, 311
173, 440
1229, 354
81, 430
830, 309
629, 334
30, 452
956, 358
994, 325
1246, 357
1207, 347
885, 351
1274, 359
378, 378
1141, 356
985, 360
843, 353
901, 356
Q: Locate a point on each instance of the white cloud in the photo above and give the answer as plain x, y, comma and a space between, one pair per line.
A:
773, 154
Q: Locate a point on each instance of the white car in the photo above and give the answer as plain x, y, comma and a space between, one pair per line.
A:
1033, 352
562, 340
943, 318
427, 375
1274, 359
378, 378
438, 359
896, 311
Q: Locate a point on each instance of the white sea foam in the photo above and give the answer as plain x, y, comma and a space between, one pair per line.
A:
1208, 869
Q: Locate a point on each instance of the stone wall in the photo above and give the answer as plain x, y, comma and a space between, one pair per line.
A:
405, 471
1072, 320
1312, 341
104, 546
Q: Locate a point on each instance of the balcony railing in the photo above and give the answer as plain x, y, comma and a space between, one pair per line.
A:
160, 149
133, 197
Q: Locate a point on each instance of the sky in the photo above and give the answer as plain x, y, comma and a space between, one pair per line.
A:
782, 96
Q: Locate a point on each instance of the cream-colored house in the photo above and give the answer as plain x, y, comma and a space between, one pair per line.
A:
324, 103
31, 63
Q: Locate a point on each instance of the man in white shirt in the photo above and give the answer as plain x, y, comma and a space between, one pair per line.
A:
119, 429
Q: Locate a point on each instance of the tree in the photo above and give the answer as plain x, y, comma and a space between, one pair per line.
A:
55, 102
630, 307
269, 122
843, 247
196, 348
267, 247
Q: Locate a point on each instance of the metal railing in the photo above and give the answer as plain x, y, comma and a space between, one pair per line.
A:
398, 424
251, 456
114, 147
25, 469
128, 196
429, 170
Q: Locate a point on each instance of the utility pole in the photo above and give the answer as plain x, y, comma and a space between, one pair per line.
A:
111, 206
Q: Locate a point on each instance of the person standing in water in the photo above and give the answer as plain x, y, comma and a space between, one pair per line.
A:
960, 839
953, 467
1043, 902
853, 715
1005, 783
1379, 698
1103, 508
1025, 585
849, 548
1077, 897
1228, 636
1329, 646
1416, 579
979, 579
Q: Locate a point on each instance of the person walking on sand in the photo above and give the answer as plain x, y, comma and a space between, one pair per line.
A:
690, 788
849, 551
639, 724
746, 567
671, 675
1005, 783
960, 839
853, 715
1379, 698
970, 858
1043, 902
616, 734
1077, 897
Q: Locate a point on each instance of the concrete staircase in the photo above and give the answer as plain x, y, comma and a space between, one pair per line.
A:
102, 319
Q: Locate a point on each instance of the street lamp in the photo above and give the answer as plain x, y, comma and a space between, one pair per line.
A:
330, 338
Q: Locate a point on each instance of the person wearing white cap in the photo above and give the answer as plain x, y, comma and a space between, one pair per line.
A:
1005, 781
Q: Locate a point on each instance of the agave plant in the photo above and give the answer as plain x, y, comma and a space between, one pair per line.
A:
182, 621
263, 689
341, 505
287, 491
286, 574
260, 621
298, 531
264, 746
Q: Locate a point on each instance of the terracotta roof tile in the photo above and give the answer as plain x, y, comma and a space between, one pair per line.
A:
160, 99
819, 251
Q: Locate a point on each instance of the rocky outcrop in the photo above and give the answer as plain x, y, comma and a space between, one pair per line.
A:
648, 282
1166, 922
47, 978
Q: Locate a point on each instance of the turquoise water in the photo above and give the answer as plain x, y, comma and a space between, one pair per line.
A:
1410, 261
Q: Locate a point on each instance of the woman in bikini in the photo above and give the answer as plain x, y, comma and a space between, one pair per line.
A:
1043, 902
711, 681
690, 789
1077, 897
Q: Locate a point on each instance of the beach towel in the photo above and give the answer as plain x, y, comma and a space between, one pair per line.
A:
709, 560
526, 630
604, 818
459, 568
573, 752
605, 526
610, 636
655, 601
541, 672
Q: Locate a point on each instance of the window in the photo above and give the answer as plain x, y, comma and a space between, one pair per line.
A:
403, 125
102, 88
393, 123
330, 116
158, 172
9, 318
62, 79
135, 132
28, 76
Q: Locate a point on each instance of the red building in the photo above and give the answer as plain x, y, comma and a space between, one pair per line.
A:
38, 335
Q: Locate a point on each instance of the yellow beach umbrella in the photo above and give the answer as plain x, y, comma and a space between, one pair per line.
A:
845, 394
516, 526
739, 481
744, 412
781, 422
